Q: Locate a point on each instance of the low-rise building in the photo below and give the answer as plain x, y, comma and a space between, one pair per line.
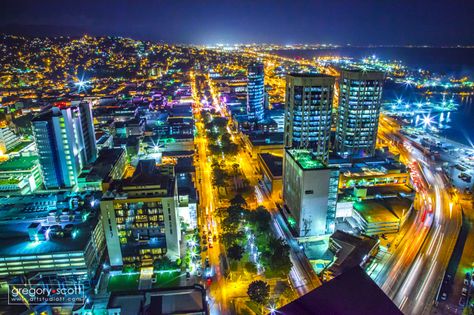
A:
381, 216
20, 175
271, 167
109, 166
257, 142
8, 140
350, 251
48, 236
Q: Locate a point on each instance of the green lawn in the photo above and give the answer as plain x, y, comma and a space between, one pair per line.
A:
166, 280
124, 282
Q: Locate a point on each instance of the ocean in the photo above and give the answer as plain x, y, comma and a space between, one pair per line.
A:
447, 61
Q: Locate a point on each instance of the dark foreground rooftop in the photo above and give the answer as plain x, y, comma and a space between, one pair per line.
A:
353, 292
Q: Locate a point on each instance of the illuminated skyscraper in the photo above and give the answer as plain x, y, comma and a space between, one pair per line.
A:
255, 92
88, 132
308, 113
64, 144
358, 112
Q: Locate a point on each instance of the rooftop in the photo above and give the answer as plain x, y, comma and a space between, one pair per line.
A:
273, 162
353, 292
19, 163
305, 159
352, 250
383, 209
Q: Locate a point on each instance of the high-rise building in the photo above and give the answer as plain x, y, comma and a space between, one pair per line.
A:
255, 92
140, 218
60, 136
358, 112
308, 112
87, 124
310, 193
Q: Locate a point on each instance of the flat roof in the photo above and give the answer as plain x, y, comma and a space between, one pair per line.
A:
305, 159
16, 242
19, 163
273, 162
383, 209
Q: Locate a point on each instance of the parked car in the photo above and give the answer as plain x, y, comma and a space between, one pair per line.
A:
444, 296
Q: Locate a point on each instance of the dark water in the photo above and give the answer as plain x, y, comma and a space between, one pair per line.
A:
440, 60
447, 61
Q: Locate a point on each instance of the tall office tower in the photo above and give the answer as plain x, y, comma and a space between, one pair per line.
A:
308, 113
59, 141
358, 112
255, 92
87, 124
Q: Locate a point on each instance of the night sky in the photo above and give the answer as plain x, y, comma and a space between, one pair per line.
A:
279, 21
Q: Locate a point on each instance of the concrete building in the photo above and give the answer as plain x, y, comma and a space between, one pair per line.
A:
20, 175
255, 92
360, 93
271, 167
308, 111
140, 218
48, 237
309, 193
109, 166
381, 216
257, 143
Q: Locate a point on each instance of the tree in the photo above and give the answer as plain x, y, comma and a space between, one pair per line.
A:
238, 200
277, 256
230, 237
250, 267
235, 252
262, 218
164, 264
259, 291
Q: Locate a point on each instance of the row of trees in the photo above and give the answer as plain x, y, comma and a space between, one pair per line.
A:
275, 251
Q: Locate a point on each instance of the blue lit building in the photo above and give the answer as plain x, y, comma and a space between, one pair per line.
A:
65, 142
358, 112
255, 92
308, 111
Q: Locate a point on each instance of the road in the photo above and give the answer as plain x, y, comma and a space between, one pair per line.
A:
218, 301
302, 274
414, 277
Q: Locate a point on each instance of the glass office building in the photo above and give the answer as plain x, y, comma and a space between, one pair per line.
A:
308, 113
358, 112
65, 142
255, 92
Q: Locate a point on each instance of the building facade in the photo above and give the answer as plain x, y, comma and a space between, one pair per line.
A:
60, 135
255, 92
8, 140
308, 111
309, 193
360, 94
141, 220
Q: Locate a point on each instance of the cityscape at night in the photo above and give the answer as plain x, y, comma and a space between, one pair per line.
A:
236, 157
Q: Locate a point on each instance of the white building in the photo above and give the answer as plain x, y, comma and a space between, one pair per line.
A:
309, 193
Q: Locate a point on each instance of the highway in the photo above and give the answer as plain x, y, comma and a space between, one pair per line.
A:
414, 275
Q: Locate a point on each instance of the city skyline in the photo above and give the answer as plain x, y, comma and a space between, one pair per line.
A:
150, 166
